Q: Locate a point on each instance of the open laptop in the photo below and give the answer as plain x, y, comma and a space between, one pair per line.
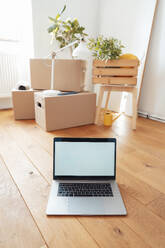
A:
84, 178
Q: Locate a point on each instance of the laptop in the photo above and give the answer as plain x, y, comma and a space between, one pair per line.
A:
84, 178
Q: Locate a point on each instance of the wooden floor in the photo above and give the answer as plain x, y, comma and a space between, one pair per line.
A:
26, 175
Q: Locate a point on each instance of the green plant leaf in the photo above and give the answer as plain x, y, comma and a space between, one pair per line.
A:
57, 17
55, 30
51, 19
62, 11
51, 28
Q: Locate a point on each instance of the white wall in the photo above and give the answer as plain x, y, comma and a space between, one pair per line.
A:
16, 17
152, 99
130, 21
85, 11
6, 103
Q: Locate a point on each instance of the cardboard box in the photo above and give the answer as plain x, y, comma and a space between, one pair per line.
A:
23, 104
59, 112
69, 74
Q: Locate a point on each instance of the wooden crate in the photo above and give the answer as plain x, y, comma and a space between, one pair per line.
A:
120, 71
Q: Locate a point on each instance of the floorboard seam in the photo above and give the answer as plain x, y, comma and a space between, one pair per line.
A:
29, 159
1, 156
88, 232
135, 233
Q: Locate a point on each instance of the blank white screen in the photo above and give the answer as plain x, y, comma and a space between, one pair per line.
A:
84, 158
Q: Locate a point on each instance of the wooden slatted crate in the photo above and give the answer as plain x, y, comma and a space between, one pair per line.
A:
120, 71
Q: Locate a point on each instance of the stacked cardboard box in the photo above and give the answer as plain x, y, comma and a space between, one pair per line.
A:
58, 111
23, 104
69, 74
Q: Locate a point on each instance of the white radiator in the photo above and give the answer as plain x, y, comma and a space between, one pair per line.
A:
8, 73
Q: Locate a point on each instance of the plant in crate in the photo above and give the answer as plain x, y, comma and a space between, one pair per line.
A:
105, 48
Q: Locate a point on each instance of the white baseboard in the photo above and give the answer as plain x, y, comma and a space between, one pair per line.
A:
151, 116
6, 103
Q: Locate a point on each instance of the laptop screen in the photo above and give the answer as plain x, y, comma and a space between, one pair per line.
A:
84, 157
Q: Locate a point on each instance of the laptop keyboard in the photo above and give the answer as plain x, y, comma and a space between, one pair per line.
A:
84, 189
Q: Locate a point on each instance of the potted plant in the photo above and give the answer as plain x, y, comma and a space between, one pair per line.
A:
66, 31
105, 48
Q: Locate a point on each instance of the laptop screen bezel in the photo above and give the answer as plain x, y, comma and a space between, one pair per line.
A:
70, 177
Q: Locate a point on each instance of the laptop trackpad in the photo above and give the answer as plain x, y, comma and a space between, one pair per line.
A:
86, 205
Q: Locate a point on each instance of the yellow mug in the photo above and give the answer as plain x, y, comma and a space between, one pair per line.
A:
108, 119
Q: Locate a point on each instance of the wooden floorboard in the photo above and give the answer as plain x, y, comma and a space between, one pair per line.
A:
136, 188
26, 152
144, 222
17, 227
158, 206
59, 231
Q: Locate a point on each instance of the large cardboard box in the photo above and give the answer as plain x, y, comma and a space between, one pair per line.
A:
23, 104
69, 74
59, 112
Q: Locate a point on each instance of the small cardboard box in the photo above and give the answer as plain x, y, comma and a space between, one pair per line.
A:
69, 74
59, 112
23, 104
